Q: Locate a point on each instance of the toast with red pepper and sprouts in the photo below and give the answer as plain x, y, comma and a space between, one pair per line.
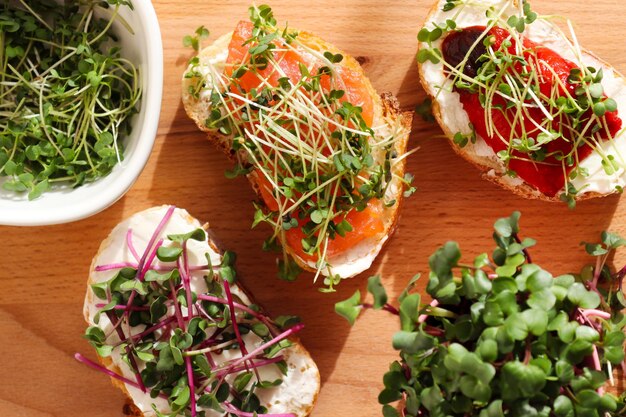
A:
324, 152
179, 335
519, 98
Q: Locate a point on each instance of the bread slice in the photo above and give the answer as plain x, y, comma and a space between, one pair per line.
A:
452, 118
297, 393
388, 119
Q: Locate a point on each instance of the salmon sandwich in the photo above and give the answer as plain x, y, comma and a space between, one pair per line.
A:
323, 151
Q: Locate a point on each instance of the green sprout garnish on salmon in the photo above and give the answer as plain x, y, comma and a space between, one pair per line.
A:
301, 123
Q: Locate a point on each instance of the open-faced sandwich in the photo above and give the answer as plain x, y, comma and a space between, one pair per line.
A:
519, 98
223, 355
324, 152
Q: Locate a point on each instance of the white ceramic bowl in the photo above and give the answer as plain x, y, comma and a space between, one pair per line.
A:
65, 204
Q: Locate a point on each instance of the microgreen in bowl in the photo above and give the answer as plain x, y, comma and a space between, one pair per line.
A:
503, 337
67, 94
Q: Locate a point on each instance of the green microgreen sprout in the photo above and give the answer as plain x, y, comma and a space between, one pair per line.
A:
462, 139
66, 94
513, 75
313, 150
194, 41
170, 321
503, 337
425, 110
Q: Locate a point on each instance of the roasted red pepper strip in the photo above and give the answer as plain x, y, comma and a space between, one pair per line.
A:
547, 176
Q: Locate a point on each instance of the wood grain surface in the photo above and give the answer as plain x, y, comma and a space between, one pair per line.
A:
43, 269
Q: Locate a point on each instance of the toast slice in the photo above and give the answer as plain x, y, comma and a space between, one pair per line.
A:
591, 177
295, 395
207, 74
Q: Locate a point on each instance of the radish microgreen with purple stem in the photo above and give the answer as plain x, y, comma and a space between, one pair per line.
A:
171, 331
503, 337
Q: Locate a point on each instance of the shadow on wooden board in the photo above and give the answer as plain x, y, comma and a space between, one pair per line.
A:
56, 250
47, 352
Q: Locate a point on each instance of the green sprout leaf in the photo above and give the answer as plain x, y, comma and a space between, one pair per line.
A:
169, 254
377, 290
350, 308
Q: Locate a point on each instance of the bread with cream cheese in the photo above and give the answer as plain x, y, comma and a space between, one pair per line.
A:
449, 112
297, 393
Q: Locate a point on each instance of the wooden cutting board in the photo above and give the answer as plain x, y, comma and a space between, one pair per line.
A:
43, 269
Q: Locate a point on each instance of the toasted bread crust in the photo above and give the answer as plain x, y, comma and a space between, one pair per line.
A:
386, 108
490, 169
129, 408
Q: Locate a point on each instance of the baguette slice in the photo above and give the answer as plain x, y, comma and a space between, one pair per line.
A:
452, 118
388, 119
298, 392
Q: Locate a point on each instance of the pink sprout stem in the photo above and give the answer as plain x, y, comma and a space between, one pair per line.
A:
142, 271
150, 259
152, 329
241, 307
131, 357
597, 366
387, 307
129, 243
80, 358
391, 309
119, 265
225, 301
177, 312
596, 313
192, 388
156, 234
147, 252
253, 364
233, 318
184, 271
159, 268
125, 307
596, 274
261, 348
422, 318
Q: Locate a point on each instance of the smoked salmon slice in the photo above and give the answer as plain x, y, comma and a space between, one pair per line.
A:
290, 61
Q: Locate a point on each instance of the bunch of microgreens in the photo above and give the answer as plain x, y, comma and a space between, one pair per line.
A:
316, 151
66, 94
502, 337
171, 347
514, 78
